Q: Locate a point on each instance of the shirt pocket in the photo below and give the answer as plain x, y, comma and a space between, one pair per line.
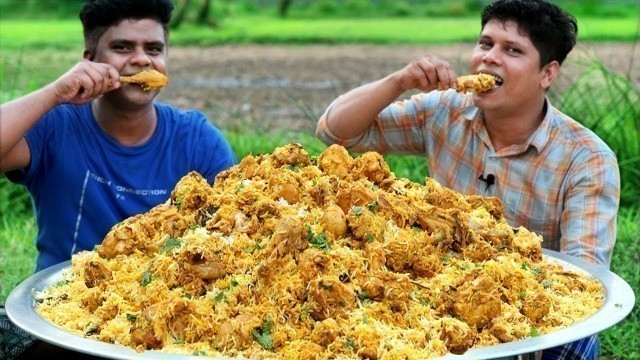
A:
537, 218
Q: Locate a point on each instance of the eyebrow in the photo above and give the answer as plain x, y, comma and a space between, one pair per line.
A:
508, 42
125, 42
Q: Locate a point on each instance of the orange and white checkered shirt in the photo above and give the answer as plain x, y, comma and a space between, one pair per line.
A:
562, 183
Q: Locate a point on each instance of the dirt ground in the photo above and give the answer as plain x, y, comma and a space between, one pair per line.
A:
267, 87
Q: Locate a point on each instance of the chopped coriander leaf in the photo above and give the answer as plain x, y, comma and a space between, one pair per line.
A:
369, 237
263, 334
372, 206
61, 283
350, 344
319, 241
170, 244
146, 278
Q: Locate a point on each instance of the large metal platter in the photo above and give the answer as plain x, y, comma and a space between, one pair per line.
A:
618, 304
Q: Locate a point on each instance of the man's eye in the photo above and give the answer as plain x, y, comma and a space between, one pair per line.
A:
514, 51
484, 44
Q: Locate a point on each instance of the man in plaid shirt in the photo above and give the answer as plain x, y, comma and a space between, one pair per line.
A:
554, 176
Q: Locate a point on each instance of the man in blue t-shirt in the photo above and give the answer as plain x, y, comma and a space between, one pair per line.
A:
93, 151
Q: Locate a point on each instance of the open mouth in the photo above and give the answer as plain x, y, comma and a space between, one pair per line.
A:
498, 81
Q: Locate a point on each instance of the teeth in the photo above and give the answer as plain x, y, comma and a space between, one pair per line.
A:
498, 80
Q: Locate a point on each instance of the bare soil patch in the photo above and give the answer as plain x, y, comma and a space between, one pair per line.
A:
274, 88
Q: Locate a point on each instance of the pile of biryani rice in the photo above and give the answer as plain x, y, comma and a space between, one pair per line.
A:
293, 256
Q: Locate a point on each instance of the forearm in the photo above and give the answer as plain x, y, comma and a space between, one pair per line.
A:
20, 115
589, 219
354, 112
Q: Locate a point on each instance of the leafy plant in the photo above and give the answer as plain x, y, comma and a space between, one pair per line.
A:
609, 105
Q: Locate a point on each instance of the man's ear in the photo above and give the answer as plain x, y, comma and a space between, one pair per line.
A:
86, 54
549, 74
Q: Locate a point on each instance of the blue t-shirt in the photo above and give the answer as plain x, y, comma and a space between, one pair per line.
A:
82, 182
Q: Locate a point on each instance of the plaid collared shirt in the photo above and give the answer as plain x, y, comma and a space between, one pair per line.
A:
562, 183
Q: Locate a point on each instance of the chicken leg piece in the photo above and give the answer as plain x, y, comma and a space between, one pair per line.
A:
148, 79
477, 83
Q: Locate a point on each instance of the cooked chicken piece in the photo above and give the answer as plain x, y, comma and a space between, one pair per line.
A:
301, 350
289, 237
313, 262
535, 307
388, 286
286, 185
143, 333
148, 79
477, 83
400, 251
372, 166
374, 253
329, 297
335, 160
528, 244
325, 332
428, 261
96, 273
292, 154
334, 221
237, 332
191, 192
477, 301
205, 268
457, 335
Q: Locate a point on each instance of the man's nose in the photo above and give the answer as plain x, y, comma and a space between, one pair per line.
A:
140, 57
492, 56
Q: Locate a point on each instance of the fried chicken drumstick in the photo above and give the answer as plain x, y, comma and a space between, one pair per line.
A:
148, 79
477, 83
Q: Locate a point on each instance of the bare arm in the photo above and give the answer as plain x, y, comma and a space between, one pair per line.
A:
354, 112
84, 82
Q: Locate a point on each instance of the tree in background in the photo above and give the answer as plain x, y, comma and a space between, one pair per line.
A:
283, 7
185, 7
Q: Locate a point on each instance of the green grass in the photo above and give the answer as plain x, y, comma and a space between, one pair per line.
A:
622, 341
67, 34
18, 255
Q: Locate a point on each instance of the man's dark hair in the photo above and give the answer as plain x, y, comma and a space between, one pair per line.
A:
552, 30
98, 15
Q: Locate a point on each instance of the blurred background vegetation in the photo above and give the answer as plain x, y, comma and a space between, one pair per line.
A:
605, 101
206, 11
